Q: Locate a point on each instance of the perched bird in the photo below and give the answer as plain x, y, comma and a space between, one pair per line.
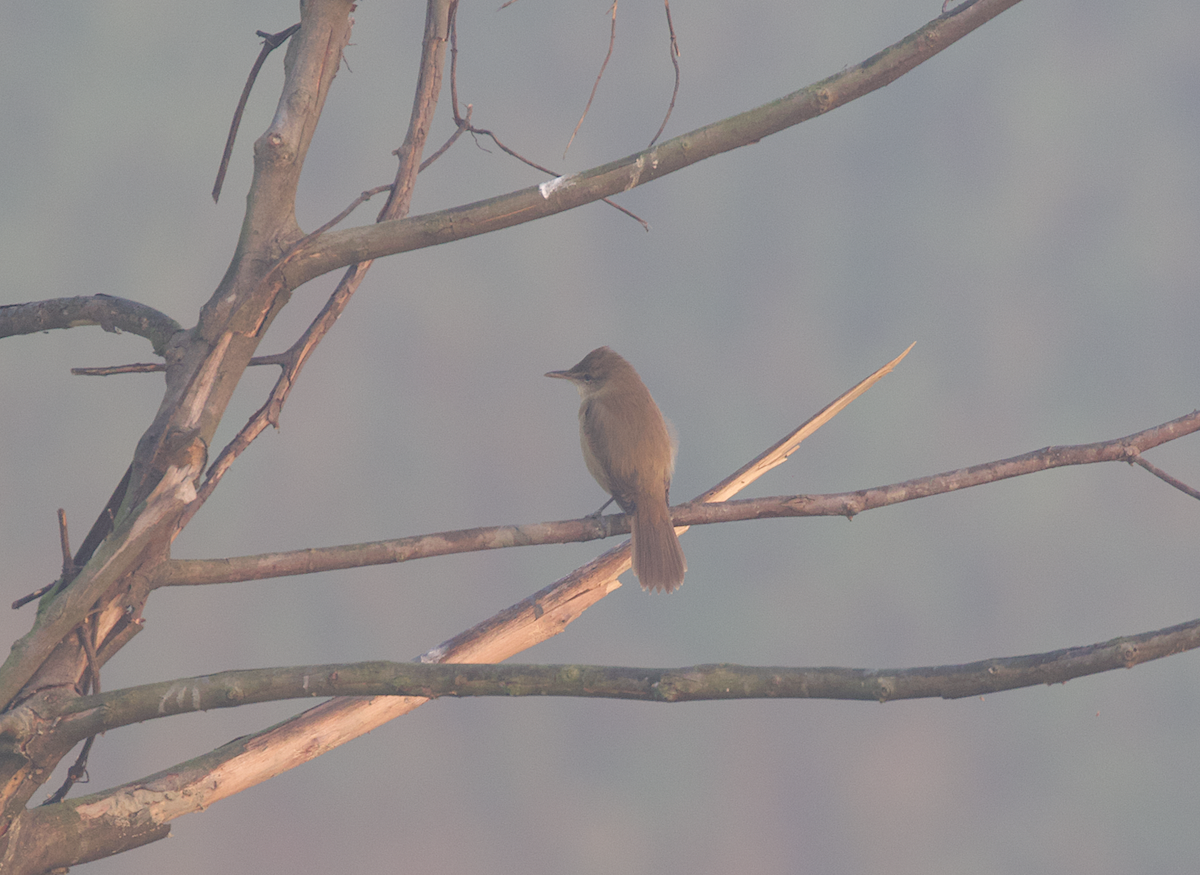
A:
629, 451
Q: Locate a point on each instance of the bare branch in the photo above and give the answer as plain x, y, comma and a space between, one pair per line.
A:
48, 838
111, 370
68, 566
612, 39
429, 85
674, 51
90, 715
192, 572
463, 127
463, 123
112, 314
503, 148
271, 41
340, 248
1165, 477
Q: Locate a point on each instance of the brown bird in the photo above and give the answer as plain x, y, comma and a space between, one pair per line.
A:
629, 451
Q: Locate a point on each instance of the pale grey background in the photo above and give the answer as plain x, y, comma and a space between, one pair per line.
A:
1024, 206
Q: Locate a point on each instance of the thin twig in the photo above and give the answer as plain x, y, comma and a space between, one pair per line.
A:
300, 244
483, 132
463, 123
463, 126
68, 564
612, 39
275, 359
77, 773
454, 63
96, 534
271, 41
1165, 477
278, 358
674, 49
36, 594
135, 368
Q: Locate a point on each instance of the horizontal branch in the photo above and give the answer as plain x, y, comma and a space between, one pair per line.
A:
111, 314
192, 572
338, 249
848, 504
92, 714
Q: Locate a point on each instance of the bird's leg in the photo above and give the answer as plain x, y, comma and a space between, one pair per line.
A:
596, 515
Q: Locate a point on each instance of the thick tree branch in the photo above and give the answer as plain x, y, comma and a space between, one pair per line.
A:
340, 248
204, 366
51, 837
115, 558
111, 314
87, 716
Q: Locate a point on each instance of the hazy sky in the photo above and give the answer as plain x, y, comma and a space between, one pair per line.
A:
1025, 206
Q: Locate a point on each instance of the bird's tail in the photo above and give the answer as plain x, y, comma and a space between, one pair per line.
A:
657, 557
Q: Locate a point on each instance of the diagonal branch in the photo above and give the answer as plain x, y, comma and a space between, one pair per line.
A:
241, 764
612, 39
1165, 477
340, 248
271, 41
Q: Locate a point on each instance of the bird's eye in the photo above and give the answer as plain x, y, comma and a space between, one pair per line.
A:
587, 378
